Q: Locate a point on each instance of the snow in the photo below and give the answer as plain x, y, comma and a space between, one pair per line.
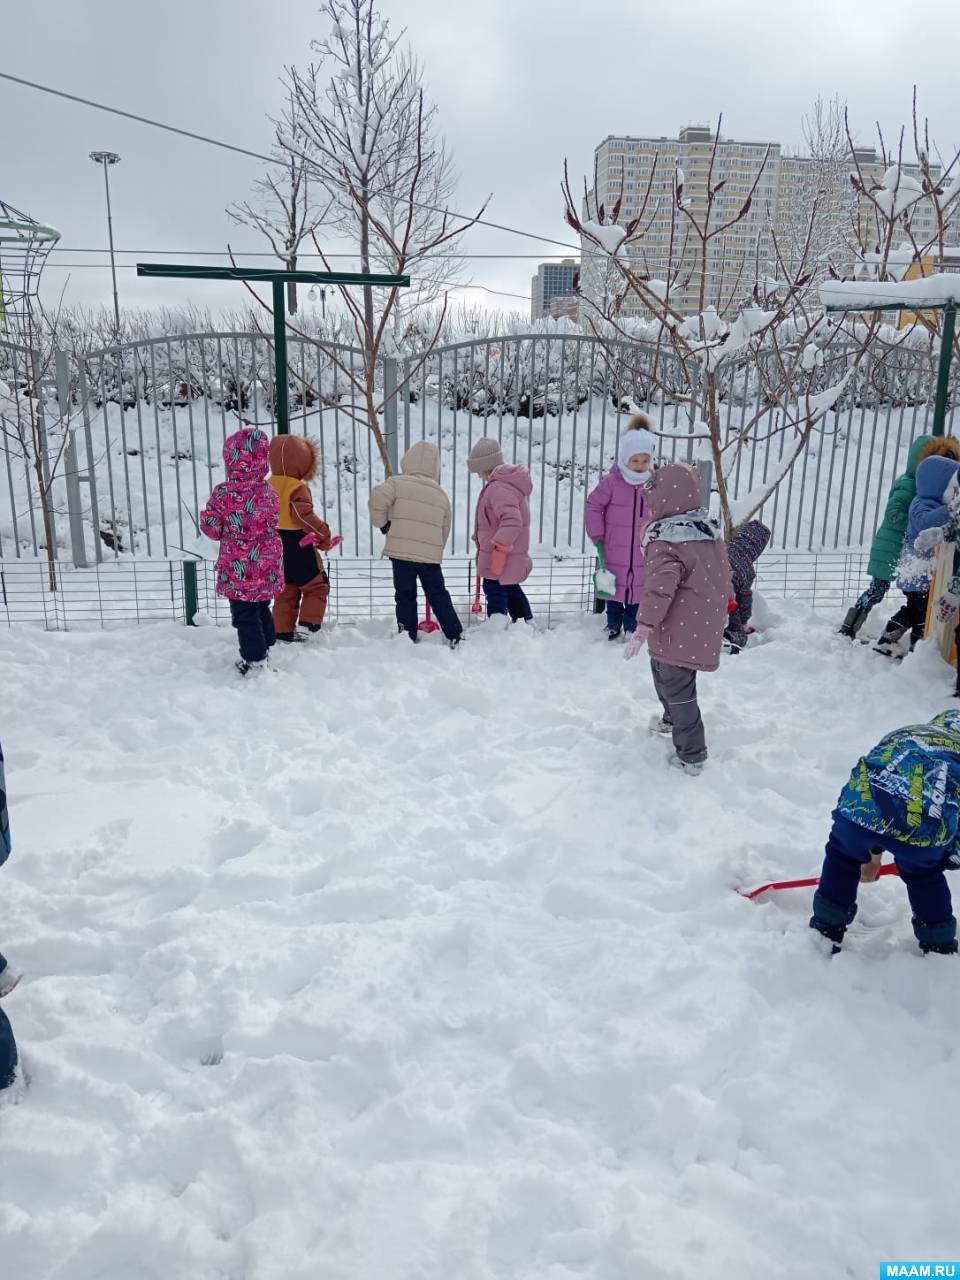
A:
935, 290
610, 237
407, 963
897, 193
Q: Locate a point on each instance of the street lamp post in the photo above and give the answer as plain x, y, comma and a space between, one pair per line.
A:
107, 158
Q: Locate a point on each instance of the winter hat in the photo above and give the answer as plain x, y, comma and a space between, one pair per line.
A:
636, 440
485, 456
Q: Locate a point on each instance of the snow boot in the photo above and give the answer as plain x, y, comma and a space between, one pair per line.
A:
693, 768
660, 725
614, 635
891, 637
831, 920
456, 642
853, 622
937, 939
291, 637
250, 668
312, 627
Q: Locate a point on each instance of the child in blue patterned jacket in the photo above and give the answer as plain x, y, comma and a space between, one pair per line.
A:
903, 797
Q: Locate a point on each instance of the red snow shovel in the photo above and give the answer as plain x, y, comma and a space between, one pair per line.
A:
428, 625
889, 870
476, 607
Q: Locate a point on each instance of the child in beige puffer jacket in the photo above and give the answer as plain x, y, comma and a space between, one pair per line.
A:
414, 513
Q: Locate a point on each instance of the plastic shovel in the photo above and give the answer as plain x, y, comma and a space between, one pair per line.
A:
604, 582
890, 869
476, 608
428, 625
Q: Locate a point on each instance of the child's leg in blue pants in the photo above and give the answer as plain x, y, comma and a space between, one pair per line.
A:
849, 847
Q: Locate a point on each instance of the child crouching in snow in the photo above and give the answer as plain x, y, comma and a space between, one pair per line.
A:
294, 461
684, 607
616, 513
743, 551
902, 797
242, 516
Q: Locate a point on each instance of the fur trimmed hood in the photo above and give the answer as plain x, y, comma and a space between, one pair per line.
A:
295, 456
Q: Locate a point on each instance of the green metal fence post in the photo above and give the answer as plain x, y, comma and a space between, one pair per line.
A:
281, 391
191, 604
943, 372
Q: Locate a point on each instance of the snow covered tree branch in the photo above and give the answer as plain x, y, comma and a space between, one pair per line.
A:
372, 142
286, 212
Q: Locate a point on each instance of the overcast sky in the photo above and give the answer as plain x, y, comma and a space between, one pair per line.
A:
520, 85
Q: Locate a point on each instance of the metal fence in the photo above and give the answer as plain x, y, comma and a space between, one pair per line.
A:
131, 436
131, 591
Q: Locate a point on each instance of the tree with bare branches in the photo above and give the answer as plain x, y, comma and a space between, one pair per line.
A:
372, 143
286, 210
778, 338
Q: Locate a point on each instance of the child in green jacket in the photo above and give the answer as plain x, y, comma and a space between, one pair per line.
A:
888, 540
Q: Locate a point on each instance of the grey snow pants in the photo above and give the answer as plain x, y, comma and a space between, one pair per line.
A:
677, 690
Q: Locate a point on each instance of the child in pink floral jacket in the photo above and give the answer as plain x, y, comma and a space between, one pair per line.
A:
242, 515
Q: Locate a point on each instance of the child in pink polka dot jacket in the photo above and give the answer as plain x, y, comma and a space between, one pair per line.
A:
684, 607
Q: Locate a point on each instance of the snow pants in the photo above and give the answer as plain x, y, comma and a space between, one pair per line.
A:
8, 1052
306, 605
677, 690
876, 591
849, 847
510, 600
913, 614
621, 617
255, 630
406, 575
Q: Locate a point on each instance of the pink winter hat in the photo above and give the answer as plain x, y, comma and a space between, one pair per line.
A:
485, 456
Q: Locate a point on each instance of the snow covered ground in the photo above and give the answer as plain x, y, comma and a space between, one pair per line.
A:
403, 964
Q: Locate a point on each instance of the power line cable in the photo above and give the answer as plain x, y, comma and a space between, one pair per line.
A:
258, 155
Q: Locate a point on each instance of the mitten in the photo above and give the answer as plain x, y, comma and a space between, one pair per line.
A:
498, 561
927, 539
386, 528
732, 607
637, 641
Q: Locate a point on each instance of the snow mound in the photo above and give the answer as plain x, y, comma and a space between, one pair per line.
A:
401, 962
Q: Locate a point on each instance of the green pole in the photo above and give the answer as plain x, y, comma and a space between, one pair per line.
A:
191, 604
943, 373
281, 392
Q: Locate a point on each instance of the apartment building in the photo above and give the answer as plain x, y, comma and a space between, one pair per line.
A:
641, 165
634, 166
553, 280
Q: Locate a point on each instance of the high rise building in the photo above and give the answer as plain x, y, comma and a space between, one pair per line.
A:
642, 173
553, 280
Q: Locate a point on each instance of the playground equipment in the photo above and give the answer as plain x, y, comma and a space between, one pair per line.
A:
24, 245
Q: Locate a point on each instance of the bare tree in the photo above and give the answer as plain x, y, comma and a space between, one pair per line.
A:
286, 211
35, 429
372, 145
692, 350
908, 212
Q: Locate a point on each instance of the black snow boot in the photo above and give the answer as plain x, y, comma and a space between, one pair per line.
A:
833, 933
889, 640
853, 622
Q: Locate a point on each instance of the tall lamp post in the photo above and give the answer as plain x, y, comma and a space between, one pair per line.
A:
107, 158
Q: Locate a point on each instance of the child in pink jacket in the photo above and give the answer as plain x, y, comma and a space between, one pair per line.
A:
684, 607
501, 530
242, 516
616, 514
